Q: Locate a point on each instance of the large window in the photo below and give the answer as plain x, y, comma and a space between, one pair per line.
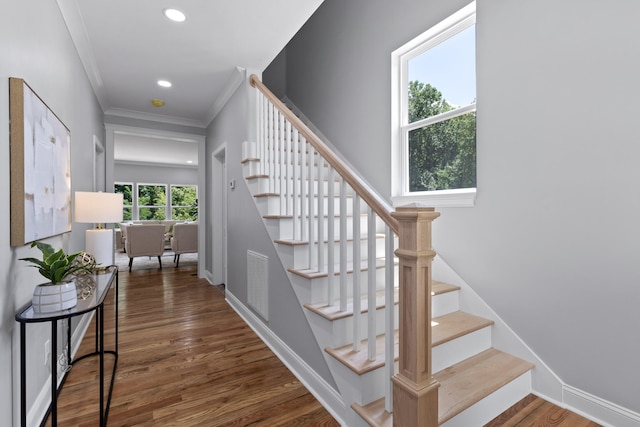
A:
435, 112
184, 202
126, 189
152, 201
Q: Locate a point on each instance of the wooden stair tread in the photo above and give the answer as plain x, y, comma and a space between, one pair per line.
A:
448, 327
438, 288
454, 325
461, 385
463, 320
473, 379
332, 312
314, 274
292, 242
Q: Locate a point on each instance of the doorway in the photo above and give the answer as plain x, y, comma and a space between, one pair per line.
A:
219, 215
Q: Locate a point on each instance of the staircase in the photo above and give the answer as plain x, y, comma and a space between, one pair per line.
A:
340, 244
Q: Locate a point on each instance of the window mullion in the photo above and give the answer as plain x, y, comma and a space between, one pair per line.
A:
440, 117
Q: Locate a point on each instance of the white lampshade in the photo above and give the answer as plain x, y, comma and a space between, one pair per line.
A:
99, 208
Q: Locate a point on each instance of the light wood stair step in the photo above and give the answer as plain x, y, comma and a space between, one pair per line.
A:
332, 312
443, 329
314, 274
461, 385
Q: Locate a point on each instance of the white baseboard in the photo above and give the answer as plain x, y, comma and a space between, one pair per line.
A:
321, 390
597, 409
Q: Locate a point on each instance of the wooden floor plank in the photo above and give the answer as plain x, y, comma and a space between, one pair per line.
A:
185, 359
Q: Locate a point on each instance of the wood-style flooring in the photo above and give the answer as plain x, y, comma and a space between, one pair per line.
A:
533, 411
187, 359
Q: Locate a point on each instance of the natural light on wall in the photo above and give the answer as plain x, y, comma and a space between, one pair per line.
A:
434, 115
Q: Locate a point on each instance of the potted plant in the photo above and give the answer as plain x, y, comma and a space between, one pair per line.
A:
60, 292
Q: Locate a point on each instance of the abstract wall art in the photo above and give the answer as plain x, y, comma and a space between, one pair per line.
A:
40, 167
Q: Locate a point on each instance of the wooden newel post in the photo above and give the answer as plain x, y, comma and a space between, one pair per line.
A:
415, 391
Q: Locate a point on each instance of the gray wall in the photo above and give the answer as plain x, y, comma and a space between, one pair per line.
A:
552, 242
35, 46
246, 231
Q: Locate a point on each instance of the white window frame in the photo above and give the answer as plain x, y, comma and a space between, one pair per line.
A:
166, 203
170, 198
133, 198
400, 194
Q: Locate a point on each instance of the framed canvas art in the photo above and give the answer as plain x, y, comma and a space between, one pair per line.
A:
40, 167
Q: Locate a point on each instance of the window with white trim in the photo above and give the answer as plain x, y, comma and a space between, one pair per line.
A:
434, 114
184, 202
126, 189
152, 201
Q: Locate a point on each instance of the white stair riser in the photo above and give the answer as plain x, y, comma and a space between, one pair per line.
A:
342, 329
299, 254
361, 389
445, 303
276, 205
318, 287
496, 403
286, 225
459, 349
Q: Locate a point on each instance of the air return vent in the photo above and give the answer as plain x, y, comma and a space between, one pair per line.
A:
258, 283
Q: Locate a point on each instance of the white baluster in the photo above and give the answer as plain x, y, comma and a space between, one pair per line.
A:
343, 245
321, 218
287, 168
303, 188
296, 165
312, 211
330, 236
357, 259
371, 283
282, 164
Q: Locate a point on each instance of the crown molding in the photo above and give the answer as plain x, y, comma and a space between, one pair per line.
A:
78, 32
237, 77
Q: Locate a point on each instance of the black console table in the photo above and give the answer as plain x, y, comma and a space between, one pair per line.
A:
94, 302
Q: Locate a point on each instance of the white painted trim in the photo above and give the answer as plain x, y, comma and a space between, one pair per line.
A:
159, 165
464, 198
218, 215
123, 112
78, 32
597, 409
237, 78
321, 390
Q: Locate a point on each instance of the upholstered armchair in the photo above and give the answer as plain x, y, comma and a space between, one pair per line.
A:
184, 240
144, 240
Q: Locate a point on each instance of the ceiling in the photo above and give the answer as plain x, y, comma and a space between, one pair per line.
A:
127, 46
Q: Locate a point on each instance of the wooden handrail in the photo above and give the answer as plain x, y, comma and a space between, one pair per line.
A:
379, 206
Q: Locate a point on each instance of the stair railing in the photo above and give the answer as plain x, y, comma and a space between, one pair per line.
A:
291, 155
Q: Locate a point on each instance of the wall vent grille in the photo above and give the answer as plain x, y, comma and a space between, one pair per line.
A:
258, 283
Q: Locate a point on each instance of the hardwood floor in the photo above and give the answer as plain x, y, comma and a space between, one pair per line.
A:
187, 359
533, 411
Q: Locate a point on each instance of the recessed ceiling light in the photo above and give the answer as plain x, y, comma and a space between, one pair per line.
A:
175, 15
190, 161
164, 83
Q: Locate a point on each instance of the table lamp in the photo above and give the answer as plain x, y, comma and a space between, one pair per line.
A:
99, 208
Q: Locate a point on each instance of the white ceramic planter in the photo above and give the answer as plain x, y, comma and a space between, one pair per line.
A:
48, 298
